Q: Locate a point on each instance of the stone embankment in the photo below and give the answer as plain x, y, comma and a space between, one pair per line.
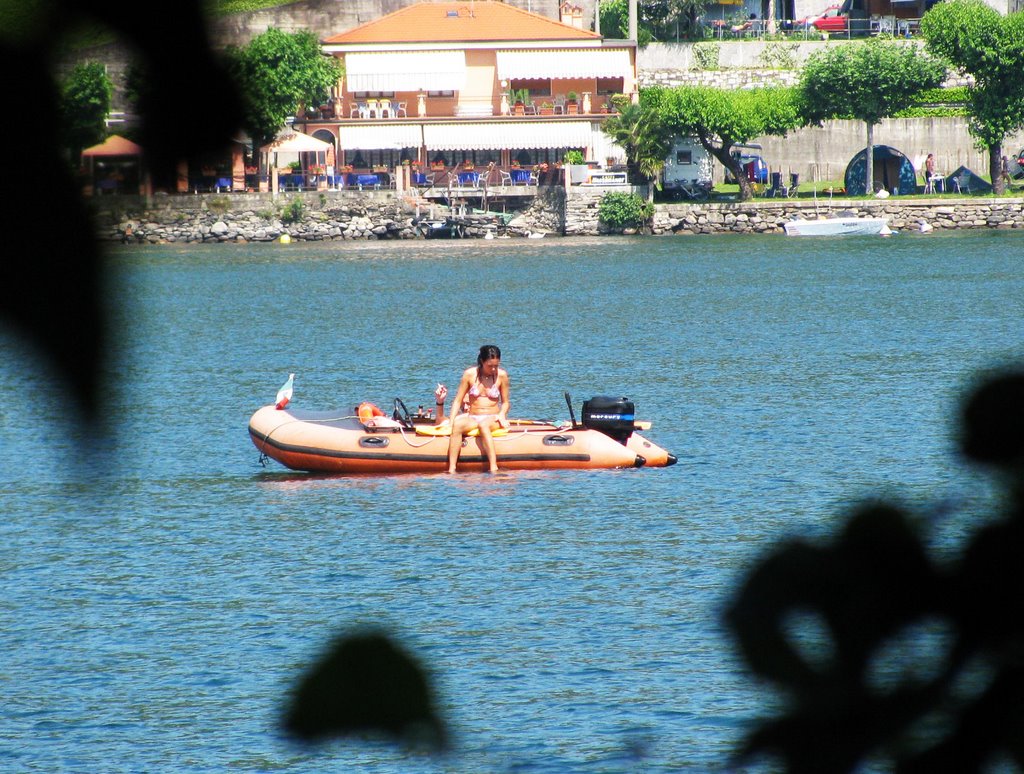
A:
260, 218
382, 215
768, 217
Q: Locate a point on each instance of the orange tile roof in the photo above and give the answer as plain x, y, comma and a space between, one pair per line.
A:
460, 22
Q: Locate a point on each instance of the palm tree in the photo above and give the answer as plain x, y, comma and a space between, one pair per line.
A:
641, 133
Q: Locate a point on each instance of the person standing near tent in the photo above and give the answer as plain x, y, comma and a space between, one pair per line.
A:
929, 171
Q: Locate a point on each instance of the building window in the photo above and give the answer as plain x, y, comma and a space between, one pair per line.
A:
684, 157
609, 85
373, 95
538, 87
447, 93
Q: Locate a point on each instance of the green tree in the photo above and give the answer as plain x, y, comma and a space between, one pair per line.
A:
721, 118
277, 73
644, 137
84, 105
974, 38
867, 81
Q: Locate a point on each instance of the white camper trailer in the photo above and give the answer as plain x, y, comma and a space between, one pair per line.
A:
687, 170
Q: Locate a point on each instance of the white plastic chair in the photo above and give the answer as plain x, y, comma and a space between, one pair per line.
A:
400, 110
506, 178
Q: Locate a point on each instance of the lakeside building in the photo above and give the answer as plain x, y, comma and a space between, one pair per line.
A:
440, 87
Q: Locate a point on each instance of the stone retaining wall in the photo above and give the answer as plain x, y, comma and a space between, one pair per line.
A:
261, 218
760, 216
768, 217
382, 215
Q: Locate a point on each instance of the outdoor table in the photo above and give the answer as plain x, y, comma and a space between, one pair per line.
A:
469, 179
368, 180
520, 176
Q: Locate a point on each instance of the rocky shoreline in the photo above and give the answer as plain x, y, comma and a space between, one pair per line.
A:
382, 216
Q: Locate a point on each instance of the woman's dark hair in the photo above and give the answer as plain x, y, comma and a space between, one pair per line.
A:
487, 351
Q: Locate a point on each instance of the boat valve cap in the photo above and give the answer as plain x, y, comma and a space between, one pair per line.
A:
639, 462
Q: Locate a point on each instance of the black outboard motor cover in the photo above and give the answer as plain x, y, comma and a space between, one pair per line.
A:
612, 416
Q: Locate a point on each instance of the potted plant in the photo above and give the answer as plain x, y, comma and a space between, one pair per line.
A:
577, 169
519, 99
546, 108
572, 106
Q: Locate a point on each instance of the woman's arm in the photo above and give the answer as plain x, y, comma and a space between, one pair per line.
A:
506, 403
460, 395
439, 395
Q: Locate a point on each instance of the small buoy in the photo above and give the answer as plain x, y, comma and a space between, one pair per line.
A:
285, 239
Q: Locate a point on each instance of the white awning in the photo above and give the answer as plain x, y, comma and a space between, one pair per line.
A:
406, 71
512, 135
567, 63
380, 137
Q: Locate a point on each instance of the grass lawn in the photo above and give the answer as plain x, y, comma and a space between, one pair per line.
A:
821, 188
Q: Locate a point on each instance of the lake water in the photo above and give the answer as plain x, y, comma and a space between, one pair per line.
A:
162, 590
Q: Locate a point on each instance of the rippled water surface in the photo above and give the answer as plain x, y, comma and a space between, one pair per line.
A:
161, 590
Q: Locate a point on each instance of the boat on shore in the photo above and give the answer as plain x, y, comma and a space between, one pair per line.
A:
840, 225
341, 442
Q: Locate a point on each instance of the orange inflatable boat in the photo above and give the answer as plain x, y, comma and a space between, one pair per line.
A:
340, 442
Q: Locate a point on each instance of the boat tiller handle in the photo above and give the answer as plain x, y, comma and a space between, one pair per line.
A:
572, 415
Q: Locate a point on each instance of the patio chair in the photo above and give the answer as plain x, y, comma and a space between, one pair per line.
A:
401, 111
506, 178
356, 109
794, 183
559, 104
384, 107
533, 179
962, 182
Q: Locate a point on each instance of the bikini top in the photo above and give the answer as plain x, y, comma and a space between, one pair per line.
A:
493, 392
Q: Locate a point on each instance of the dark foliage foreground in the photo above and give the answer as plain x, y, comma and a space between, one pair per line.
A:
960, 711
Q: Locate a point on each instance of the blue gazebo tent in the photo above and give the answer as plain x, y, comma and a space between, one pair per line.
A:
891, 170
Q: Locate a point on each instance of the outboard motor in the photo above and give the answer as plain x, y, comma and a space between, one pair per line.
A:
612, 416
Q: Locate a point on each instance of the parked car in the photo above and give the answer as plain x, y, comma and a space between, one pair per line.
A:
833, 19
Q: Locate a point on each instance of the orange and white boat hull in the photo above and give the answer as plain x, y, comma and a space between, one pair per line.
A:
339, 443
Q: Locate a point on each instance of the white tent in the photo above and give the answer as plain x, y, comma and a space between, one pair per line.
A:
292, 142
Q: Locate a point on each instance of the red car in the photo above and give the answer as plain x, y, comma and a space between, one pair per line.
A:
833, 19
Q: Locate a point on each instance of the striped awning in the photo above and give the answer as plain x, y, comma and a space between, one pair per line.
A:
512, 135
565, 63
380, 137
406, 71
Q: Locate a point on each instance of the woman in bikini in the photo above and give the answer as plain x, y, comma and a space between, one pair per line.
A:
485, 388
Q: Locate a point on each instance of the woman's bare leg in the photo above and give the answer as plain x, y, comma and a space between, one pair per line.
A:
455, 442
488, 443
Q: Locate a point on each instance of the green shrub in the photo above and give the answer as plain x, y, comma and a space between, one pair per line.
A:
781, 56
622, 210
293, 211
218, 204
573, 157
705, 55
